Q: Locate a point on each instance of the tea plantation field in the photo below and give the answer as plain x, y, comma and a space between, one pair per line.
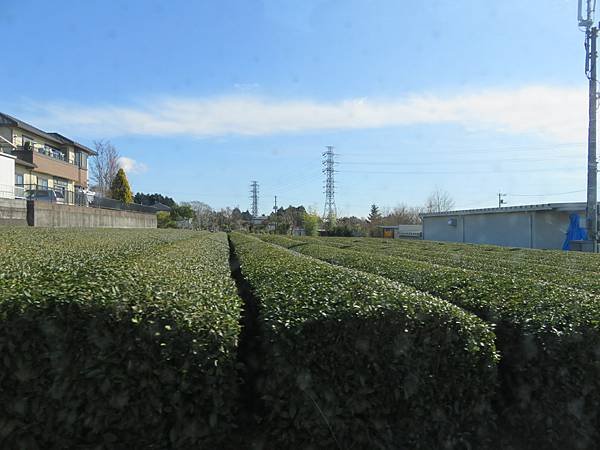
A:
177, 339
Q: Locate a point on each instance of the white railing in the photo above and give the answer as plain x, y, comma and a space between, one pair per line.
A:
7, 191
19, 191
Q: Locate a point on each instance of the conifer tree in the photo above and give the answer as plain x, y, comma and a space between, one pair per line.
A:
119, 189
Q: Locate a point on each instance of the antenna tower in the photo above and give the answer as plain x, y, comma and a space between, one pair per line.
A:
254, 198
329, 212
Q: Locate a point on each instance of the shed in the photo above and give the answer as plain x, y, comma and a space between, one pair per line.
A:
402, 231
530, 226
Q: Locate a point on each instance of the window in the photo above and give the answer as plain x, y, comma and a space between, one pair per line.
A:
19, 179
42, 183
28, 143
60, 184
53, 152
81, 159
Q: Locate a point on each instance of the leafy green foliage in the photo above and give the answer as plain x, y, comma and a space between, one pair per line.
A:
164, 220
151, 199
353, 360
563, 268
548, 335
182, 212
311, 223
116, 338
119, 188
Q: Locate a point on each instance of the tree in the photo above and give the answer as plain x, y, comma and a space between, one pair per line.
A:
119, 189
374, 215
163, 220
403, 214
439, 201
151, 199
203, 214
104, 166
311, 223
374, 221
183, 212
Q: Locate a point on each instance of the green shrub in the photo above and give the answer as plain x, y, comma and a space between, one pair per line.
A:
113, 339
353, 360
555, 269
548, 337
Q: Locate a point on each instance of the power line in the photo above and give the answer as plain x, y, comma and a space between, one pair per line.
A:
487, 150
457, 172
546, 195
457, 162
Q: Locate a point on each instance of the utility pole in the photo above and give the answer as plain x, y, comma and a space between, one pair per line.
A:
254, 198
329, 212
501, 200
591, 37
275, 212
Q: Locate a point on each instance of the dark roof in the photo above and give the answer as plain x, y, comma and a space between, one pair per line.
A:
66, 140
160, 206
6, 119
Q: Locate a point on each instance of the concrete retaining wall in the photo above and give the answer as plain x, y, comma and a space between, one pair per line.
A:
13, 212
43, 214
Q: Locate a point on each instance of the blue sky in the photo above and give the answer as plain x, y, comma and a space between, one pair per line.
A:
204, 96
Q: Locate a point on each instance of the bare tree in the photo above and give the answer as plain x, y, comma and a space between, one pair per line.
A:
204, 214
105, 166
403, 214
439, 201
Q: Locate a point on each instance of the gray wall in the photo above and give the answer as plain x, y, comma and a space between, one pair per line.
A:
529, 229
44, 214
13, 212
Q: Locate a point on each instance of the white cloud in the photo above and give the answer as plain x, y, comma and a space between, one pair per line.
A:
557, 113
130, 165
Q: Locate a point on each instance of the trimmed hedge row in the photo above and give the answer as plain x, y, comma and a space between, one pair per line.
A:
548, 336
572, 261
352, 360
473, 260
119, 339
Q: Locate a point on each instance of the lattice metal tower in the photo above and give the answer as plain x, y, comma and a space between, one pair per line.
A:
329, 212
254, 198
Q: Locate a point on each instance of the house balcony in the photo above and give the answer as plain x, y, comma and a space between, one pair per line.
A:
52, 162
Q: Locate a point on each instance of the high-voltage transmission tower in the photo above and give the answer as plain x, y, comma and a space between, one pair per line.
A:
586, 20
254, 198
329, 212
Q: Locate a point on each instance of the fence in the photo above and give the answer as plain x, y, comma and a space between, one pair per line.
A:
67, 197
59, 195
109, 203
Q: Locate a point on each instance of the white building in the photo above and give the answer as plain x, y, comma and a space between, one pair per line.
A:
530, 226
7, 175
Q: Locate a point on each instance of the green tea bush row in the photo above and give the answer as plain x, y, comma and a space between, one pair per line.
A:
574, 261
548, 338
473, 260
353, 360
115, 340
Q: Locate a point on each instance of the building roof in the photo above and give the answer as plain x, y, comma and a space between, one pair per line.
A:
6, 119
66, 140
403, 227
160, 206
575, 206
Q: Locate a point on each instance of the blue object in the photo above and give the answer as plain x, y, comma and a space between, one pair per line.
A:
575, 232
